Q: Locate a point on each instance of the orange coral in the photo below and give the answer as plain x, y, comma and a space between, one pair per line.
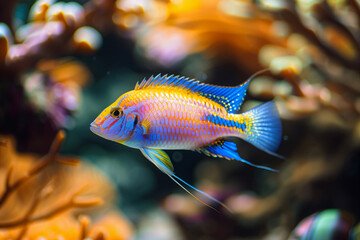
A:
40, 197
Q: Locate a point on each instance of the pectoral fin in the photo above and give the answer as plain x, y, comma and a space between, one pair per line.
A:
162, 161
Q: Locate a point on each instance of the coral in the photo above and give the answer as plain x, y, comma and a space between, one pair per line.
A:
41, 198
46, 90
54, 88
53, 28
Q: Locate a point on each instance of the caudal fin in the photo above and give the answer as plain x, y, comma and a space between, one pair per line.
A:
264, 130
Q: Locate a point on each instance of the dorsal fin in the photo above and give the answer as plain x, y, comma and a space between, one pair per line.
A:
167, 81
229, 97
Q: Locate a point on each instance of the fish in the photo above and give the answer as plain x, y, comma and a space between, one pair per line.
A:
176, 112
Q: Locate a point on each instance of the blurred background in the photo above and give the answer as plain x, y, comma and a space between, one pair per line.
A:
63, 62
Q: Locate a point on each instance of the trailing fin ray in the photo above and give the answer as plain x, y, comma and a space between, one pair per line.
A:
229, 97
227, 150
161, 160
203, 193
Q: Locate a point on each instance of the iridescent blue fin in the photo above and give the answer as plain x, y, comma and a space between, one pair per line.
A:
161, 160
227, 150
229, 97
265, 128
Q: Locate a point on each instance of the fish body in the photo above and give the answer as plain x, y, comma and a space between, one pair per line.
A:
179, 119
167, 112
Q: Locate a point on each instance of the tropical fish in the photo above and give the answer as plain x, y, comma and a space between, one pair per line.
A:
173, 112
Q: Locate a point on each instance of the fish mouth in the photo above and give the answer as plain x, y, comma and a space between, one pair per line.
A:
95, 128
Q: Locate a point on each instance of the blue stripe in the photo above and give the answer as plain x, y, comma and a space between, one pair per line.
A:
224, 122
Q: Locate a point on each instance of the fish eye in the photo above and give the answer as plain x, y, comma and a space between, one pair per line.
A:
115, 113
136, 120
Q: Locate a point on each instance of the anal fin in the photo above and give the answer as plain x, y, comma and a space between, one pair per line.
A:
226, 149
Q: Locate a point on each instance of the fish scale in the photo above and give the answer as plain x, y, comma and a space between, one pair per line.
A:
194, 113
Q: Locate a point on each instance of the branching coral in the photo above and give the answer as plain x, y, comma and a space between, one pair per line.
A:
45, 198
322, 66
54, 29
48, 159
343, 48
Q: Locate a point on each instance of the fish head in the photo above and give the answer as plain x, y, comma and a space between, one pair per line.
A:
118, 122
